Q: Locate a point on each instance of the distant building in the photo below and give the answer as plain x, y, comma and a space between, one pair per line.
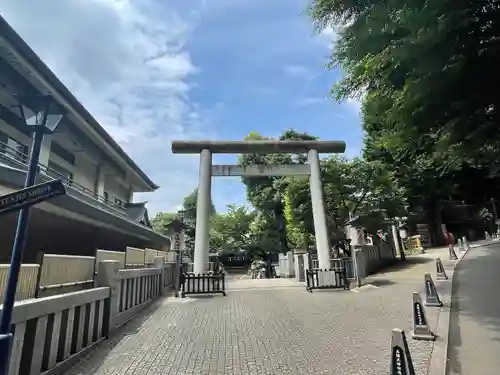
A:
97, 211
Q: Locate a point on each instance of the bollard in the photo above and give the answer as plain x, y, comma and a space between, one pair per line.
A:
421, 329
487, 236
466, 244
451, 253
401, 362
441, 273
431, 296
461, 245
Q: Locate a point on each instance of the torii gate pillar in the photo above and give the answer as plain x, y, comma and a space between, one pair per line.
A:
203, 208
207, 148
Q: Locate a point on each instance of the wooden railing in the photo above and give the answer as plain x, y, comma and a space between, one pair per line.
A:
48, 331
26, 287
51, 333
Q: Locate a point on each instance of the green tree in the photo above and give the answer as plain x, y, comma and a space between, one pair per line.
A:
163, 221
231, 231
426, 73
189, 205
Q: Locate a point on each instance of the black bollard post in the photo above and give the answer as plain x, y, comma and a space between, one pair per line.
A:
421, 329
431, 296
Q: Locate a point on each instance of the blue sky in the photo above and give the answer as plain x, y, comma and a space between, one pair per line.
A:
154, 71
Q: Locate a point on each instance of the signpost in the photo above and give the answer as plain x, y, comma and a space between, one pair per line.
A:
20, 200
30, 196
179, 246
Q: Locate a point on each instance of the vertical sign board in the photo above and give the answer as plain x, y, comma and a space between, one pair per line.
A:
179, 241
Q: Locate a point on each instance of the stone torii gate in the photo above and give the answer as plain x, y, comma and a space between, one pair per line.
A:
207, 170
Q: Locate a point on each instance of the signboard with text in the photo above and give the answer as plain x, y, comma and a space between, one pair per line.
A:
31, 196
179, 241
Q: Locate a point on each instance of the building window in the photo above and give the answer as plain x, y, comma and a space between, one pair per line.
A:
56, 171
106, 196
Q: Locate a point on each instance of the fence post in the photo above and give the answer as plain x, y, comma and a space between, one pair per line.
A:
359, 266
39, 260
108, 277
159, 264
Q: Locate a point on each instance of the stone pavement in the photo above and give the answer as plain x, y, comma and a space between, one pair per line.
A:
474, 341
262, 331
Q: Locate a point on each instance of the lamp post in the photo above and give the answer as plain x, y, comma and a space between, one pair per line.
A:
179, 247
43, 115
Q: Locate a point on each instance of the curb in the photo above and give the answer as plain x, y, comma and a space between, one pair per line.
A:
439, 357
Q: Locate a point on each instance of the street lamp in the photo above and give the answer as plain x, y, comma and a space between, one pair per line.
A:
178, 245
42, 114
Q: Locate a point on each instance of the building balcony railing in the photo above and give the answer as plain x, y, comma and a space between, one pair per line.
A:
18, 159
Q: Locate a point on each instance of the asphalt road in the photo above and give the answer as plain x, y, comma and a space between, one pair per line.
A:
474, 346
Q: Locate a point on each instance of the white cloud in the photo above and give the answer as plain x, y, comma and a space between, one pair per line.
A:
126, 61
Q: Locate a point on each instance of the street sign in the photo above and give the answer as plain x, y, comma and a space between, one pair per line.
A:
30, 196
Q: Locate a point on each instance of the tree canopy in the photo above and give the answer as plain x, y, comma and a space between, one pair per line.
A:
426, 75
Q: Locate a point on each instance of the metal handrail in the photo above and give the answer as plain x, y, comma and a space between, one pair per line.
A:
21, 160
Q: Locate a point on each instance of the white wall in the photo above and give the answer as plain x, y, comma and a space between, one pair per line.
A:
84, 172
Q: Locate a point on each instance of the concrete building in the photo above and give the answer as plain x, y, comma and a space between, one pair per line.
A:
101, 178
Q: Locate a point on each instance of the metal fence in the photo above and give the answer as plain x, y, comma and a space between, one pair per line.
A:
203, 283
333, 278
347, 263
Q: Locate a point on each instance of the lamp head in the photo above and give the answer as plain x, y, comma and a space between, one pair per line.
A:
40, 110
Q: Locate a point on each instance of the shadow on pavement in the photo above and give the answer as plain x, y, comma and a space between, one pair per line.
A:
381, 282
409, 263
475, 313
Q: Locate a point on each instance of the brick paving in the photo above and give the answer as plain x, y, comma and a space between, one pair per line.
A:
262, 331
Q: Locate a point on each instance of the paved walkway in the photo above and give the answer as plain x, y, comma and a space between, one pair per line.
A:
261, 330
474, 346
